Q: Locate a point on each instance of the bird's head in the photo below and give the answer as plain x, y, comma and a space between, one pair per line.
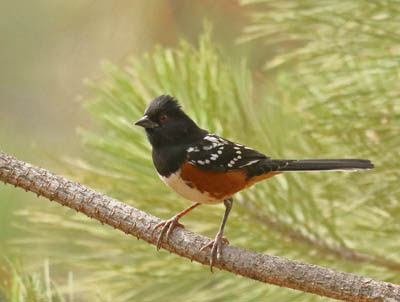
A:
166, 123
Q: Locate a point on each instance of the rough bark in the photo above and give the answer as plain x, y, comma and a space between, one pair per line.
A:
269, 269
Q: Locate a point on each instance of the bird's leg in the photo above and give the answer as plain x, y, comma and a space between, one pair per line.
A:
216, 244
170, 224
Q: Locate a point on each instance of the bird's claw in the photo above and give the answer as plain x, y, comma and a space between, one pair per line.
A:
167, 227
216, 248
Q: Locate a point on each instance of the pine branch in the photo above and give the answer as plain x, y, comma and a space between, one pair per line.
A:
321, 245
263, 268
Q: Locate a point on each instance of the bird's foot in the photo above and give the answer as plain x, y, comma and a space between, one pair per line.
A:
216, 248
167, 227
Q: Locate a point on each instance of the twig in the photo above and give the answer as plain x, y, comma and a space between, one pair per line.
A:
264, 268
319, 244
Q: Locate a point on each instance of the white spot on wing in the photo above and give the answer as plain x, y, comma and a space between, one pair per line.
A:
212, 139
250, 163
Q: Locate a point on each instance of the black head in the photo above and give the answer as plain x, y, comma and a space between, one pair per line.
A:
167, 124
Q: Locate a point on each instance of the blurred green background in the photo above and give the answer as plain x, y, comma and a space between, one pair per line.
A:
50, 47
294, 79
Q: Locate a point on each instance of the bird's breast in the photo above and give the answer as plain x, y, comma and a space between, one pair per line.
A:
204, 186
187, 190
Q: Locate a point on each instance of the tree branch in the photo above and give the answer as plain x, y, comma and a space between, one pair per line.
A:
319, 244
263, 268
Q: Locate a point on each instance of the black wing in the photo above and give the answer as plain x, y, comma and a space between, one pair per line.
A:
217, 154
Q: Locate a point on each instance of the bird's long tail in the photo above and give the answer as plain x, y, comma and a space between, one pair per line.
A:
321, 165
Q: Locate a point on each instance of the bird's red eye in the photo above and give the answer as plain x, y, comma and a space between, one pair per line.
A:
164, 118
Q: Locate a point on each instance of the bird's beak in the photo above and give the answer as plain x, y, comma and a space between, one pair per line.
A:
145, 122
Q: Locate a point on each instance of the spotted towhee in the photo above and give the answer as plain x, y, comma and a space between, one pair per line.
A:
208, 169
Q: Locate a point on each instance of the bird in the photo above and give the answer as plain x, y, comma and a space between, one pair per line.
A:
208, 169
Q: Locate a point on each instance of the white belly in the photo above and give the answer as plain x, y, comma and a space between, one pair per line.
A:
183, 189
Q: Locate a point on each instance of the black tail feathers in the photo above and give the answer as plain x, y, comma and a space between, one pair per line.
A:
321, 165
